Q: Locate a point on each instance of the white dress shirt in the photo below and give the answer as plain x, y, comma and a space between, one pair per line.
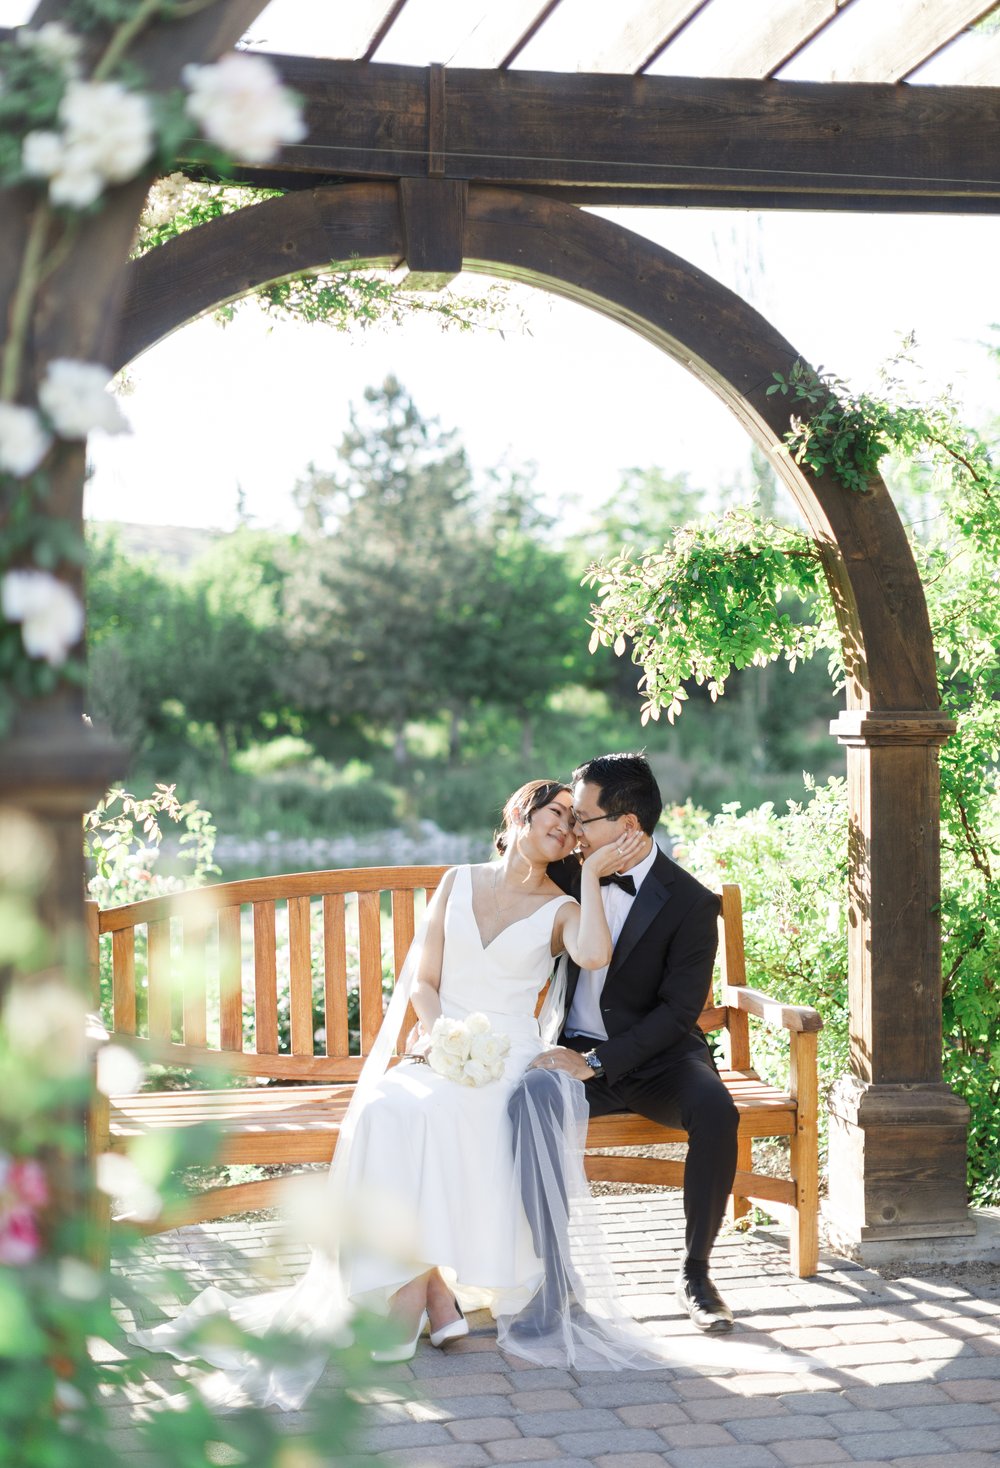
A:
584, 1016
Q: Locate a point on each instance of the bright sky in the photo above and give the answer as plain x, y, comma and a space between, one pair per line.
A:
250, 405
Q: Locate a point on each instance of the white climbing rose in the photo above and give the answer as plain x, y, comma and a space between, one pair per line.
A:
55, 43
24, 441
106, 136
242, 106
49, 612
74, 398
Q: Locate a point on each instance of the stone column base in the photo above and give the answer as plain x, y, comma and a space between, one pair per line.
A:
897, 1167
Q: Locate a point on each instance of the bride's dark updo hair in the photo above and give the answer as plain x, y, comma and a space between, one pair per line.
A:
527, 800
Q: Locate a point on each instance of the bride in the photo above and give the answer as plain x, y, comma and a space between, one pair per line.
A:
442, 1156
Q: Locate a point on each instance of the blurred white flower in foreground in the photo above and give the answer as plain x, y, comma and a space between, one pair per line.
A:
120, 1179
242, 106
119, 1072
55, 43
106, 136
47, 1022
24, 442
49, 612
369, 1222
74, 396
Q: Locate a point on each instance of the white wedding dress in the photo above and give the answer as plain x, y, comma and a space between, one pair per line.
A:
442, 1151
439, 1158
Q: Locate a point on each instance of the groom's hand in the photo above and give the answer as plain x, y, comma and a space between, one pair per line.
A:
563, 1059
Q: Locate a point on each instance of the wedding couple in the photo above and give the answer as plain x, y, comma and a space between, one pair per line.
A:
489, 1177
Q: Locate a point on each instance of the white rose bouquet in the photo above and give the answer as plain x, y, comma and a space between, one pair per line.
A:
467, 1051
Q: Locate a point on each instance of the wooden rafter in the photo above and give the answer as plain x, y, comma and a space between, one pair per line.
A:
976, 61
760, 50
643, 37
615, 139
501, 34
904, 35
369, 22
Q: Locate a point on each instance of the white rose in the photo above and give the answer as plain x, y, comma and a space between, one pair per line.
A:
474, 1073
57, 45
242, 106
74, 397
42, 153
443, 1064
109, 124
488, 1048
50, 613
24, 442
477, 1024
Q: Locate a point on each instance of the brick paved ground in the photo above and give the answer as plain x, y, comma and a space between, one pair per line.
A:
894, 1372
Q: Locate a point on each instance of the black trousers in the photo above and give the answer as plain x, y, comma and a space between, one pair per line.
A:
686, 1092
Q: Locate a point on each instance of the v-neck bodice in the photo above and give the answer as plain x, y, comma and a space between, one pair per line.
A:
502, 977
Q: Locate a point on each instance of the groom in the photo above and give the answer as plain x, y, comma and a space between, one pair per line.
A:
631, 1030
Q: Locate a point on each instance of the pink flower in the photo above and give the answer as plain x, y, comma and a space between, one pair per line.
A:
20, 1240
27, 1179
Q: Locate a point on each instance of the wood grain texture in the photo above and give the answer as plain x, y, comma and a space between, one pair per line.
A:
300, 976
335, 973
123, 972
159, 980
230, 979
265, 970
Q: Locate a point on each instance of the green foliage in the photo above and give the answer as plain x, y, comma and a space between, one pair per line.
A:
708, 603
792, 872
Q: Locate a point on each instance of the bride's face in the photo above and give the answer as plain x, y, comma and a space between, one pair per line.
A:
548, 835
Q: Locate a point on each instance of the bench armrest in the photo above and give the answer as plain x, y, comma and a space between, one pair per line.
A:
779, 1016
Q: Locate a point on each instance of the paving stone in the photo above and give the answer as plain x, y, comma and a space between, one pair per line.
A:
738, 1456
696, 1435
886, 1446
475, 1406
430, 1363
581, 1419
653, 1414
541, 1378
985, 1439
483, 1429
968, 1365
817, 1401
951, 1414
455, 1455
903, 1394
733, 1408
810, 1451
618, 1441
783, 1428
486, 1383
629, 1460
524, 1450
946, 1460
412, 1435
625, 1392
550, 1401
973, 1390
897, 1371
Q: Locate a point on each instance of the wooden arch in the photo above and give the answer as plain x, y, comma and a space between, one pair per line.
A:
897, 1133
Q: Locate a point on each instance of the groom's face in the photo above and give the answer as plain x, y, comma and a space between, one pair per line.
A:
593, 827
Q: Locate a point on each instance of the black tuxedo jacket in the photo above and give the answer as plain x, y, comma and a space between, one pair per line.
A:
660, 974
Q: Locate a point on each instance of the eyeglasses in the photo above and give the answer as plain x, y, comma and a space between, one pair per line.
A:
590, 819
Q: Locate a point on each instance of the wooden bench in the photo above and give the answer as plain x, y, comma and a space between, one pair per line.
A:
198, 978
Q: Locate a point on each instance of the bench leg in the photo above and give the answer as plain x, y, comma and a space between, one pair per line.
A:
804, 1246
739, 1207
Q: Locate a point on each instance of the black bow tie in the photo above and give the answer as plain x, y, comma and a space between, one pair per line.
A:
626, 883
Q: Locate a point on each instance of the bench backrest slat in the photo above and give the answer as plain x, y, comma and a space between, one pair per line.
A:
230, 979
159, 1017
123, 962
265, 968
335, 974
370, 967
300, 975
195, 955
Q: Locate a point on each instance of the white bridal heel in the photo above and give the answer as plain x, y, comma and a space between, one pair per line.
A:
452, 1331
404, 1352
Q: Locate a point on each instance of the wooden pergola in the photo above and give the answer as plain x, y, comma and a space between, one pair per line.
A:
483, 164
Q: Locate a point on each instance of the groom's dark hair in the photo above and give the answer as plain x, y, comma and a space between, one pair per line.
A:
627, 785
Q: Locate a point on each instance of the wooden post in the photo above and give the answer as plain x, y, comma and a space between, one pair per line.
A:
897, 1132
433, 214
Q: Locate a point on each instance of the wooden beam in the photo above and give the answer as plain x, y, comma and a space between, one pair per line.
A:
902, 36
433, 214
761, 48
643, 37
652, 138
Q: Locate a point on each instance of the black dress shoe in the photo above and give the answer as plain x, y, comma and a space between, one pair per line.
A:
702, 1301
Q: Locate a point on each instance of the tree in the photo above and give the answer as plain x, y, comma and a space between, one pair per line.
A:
387, 537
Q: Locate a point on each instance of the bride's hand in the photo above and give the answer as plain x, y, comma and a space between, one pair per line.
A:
617, 855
